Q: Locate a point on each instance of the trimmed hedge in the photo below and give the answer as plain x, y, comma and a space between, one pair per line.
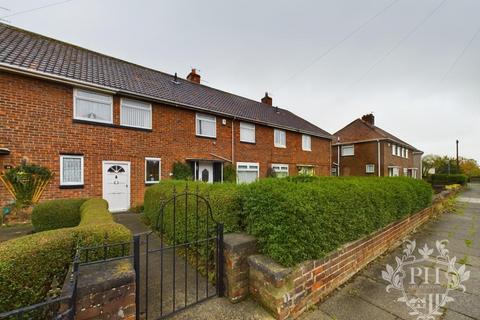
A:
56, 214
296, 221
29, 264
444, 179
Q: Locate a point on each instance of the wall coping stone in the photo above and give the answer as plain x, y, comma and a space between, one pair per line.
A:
271, 269
238, 241
104, 276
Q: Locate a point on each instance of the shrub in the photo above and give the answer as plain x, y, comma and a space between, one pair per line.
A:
299, 221
29, 264
181, 171
229, 173
56, 214
444, 179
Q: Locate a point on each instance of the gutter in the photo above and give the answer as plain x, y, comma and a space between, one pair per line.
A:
107, 89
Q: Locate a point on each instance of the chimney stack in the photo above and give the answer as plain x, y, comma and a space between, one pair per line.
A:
369, 118
193, 76
267, 100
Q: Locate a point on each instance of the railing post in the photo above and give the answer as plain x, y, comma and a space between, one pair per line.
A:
136, 266
220, 284
73, 300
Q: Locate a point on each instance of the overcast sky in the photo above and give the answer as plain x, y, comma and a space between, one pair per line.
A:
412, 64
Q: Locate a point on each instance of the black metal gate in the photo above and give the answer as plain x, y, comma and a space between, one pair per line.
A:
180, 263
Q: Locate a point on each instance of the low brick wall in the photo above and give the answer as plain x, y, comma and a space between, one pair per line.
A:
288, 292
106, 291
237, 248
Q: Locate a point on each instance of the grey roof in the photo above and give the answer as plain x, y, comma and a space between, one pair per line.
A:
33, 52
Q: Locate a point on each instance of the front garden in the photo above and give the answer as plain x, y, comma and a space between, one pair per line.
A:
297, 218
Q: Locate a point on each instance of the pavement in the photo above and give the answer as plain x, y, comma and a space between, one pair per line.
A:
365, 297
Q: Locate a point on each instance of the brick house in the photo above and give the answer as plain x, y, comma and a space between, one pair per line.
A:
110, 128
363, 149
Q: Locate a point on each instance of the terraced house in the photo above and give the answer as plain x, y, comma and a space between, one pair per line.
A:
110, 128
363, 149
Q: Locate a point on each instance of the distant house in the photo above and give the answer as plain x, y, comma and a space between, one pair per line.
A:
109, 128
363, 149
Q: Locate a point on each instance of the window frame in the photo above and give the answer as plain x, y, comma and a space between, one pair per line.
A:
311, 167
303, 142
159, 170
277, 145
347, 146
248, 164
371, 165
244, 125
75, 96
282, 170
124, 101
208, 118
394, 168
82, 170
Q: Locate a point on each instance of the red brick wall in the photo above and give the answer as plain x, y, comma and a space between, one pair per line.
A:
36, 123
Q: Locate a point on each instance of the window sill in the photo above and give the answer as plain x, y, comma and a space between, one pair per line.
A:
205, 137
77, 186
281, 147
111, 125
248, 142
151, 183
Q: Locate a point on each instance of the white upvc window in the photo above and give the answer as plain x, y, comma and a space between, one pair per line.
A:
370, 168
406, 153
394, 150
247, 172
306, 142
247, 132
92, 106
280, 170
71, 170
136, 114
393, 171
348, 150
405, 172
306, 170
206, 125
153, 170
280, 138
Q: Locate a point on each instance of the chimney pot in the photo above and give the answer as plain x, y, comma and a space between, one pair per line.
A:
193, 76
267, 100
369, 118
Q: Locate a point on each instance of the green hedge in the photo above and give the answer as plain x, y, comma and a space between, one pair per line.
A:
29, 264
444, 179
296, 221
56, 214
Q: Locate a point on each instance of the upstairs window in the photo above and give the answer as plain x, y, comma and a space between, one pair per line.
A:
135, 114
394, 150
71, 170
306, 143
247, 132
406, 153
206, 126
92, 106
280, 170
280, 138
348, 150
152, 170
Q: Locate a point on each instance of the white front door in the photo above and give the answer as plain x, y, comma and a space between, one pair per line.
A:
116, 185
205, 171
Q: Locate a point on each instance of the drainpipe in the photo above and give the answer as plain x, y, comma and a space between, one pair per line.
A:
378, 151
233, 141
338, 160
